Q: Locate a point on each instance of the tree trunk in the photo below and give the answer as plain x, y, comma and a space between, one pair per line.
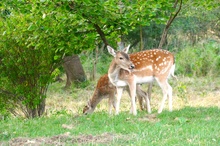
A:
41, 107
141, 39
74, 70
95, 61
169, 22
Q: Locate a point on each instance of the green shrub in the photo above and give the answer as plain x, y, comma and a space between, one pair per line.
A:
102, 63
200, 60
26, 63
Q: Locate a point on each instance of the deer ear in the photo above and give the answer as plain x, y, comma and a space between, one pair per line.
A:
111, 51
126, 49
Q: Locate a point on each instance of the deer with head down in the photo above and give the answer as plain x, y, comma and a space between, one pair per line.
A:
141, 67
105, 89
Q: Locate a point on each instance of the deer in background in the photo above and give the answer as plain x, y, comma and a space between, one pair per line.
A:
105, 89
141, 67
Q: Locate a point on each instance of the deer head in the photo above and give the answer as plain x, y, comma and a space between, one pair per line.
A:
88, 109
121, 58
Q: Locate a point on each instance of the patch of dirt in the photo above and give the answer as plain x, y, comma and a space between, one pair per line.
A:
152, 118
65, 126
61, 140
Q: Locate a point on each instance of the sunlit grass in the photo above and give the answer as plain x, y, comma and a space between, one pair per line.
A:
193, 92
188, 126
194, 121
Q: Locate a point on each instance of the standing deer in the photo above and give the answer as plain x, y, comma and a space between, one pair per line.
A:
105, 89
145, 66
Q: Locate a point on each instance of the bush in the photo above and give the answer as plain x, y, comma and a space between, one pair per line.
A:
25, 67
29, 53
200, 60
102, 63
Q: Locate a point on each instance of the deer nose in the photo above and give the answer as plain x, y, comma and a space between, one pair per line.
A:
132, 66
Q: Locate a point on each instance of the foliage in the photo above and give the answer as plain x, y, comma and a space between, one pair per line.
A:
151, 35
117, 18
197, 21
33, 43
200, 60
103, 61
26, 66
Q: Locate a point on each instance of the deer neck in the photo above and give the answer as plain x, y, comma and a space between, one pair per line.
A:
113, 73
96, 98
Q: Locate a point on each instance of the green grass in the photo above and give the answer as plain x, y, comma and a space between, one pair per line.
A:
188, 126
194, 121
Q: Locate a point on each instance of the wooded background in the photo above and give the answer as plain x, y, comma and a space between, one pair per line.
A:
40, 39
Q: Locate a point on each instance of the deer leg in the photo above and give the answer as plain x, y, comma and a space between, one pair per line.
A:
118, 98
143, 95
149, 90
148, 104
111, 102
139, 96
165, 87
132, 88
109, 106
148, 98
167, 91
170, 91
140, 100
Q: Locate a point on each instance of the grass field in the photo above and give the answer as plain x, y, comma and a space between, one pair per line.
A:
194, 121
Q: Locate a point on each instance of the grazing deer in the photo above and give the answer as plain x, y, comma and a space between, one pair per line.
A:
105, 89
138, 68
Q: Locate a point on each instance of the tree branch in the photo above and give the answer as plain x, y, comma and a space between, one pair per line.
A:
101, 33
98, 30
169, 22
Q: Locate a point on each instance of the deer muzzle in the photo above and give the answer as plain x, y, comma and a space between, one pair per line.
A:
132, 66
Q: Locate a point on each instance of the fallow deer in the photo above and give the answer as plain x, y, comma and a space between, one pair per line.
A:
105, 89
138, 68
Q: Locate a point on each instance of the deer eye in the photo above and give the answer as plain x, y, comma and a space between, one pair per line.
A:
121, 58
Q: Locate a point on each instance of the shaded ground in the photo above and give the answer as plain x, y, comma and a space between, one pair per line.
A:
61, 140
